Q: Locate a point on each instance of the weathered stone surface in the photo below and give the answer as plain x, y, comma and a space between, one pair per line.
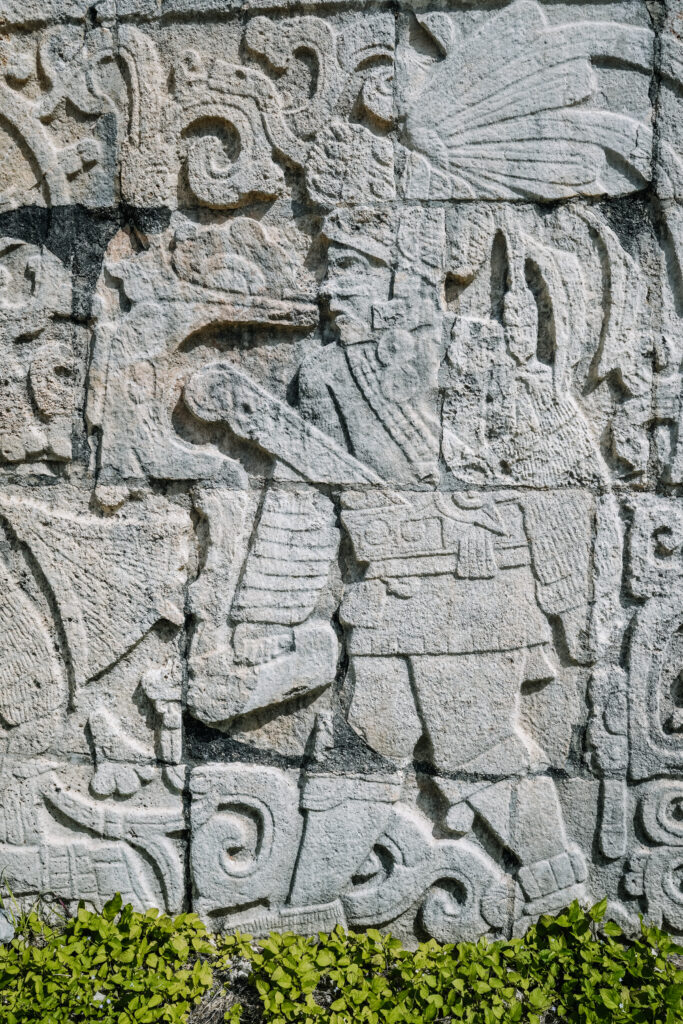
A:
341, 454
524, 103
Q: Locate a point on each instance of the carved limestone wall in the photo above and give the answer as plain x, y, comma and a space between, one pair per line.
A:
341, 459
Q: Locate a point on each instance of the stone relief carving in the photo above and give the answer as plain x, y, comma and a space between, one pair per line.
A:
89, 605
340, 461
41, 380
278, 648
54, 115
502, 132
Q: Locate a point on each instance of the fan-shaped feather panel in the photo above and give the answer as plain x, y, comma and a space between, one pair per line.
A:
518, 109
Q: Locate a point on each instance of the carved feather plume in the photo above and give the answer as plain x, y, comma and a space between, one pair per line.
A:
510, 111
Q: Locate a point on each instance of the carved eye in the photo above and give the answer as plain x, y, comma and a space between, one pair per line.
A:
376, 867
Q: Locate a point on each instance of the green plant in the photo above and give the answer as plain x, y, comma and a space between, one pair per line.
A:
563, 969
120, 966
115, 967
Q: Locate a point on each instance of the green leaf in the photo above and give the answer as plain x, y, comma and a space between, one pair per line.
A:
597, 912
152, 969
612, 929
673, 994
609, 999
112, 908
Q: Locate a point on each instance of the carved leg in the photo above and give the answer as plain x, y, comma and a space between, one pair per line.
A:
469, 704
344, 818
345, 814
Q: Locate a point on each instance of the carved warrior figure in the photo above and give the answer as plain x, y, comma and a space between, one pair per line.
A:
446, 627
375, 392
450, 620
400, 562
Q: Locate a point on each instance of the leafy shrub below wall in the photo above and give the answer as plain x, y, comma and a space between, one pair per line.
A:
116, 967
120, 967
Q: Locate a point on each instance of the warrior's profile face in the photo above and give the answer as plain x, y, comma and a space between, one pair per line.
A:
353, 284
